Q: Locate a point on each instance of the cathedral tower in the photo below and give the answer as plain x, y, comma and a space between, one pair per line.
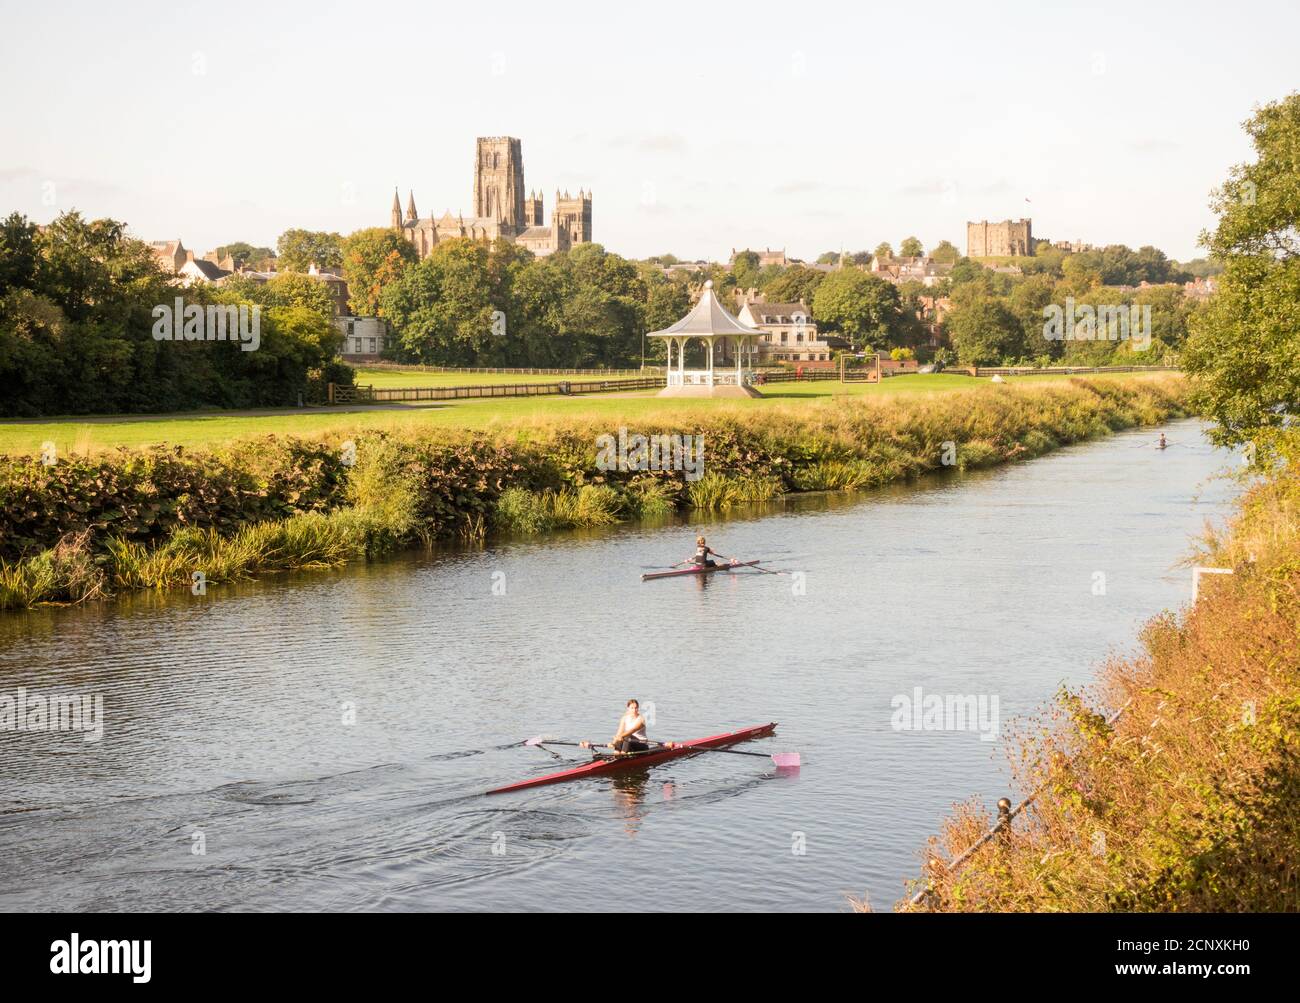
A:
396, 218
574, 215
533, 210
499, 180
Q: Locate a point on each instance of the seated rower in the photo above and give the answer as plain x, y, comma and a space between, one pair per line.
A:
704, 554
631, 735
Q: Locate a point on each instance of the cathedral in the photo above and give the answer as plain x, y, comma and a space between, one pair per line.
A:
501, 209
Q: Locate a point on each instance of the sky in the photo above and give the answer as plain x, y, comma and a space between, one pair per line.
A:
698, 127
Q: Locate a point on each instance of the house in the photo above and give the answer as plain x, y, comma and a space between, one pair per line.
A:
789, 332
364, 338
921, 269
200, 270
170, 254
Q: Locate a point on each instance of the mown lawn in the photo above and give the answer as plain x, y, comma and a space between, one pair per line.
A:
81, 435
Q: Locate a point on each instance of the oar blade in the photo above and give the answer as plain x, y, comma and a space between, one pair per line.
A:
786, 760
536, 740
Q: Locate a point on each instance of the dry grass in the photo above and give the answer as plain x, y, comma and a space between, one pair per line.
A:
1190, 801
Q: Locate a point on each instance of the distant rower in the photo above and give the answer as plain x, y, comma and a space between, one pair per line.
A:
1161, 444
704, 554
631, 735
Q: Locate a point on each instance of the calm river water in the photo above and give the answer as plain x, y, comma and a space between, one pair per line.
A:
325, 739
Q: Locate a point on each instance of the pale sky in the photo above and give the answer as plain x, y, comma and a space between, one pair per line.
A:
699, 126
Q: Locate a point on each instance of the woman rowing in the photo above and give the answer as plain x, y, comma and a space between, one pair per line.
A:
631, 735
1162, 444
703, 556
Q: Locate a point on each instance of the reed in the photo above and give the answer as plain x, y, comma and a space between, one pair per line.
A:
285, 503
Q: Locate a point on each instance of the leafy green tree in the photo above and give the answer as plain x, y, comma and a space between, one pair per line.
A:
794, 284
945, 253
884, 252
861, 307
1244, 345
911, 247
299, 249
373, 258
245, 253
983, 331
77, 331
744, 267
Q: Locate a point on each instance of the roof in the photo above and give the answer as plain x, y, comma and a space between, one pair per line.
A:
706, 319
779, 313
208, 268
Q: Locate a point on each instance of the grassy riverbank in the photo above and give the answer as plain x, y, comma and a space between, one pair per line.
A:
88, 526
1190, 800
84, 436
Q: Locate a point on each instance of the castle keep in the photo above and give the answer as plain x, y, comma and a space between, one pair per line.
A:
501, 209
985, 239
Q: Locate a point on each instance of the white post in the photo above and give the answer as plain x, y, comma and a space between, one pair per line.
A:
1196, 578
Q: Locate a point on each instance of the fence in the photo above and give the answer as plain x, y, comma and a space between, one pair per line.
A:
514, 372
335, 393
1055, 370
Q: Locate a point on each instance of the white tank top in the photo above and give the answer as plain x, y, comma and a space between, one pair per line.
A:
628, 718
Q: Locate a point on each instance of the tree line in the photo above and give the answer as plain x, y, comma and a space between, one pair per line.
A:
80, 302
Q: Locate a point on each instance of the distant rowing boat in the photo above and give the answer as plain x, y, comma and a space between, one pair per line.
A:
614, 763
697, 569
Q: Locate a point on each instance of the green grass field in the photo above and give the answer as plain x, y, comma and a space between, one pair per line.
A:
89, 435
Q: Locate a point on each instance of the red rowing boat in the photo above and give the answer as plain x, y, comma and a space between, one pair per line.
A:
611, 763
697, 569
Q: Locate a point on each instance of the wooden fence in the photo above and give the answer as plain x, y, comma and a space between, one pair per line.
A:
1055, 370
335, 393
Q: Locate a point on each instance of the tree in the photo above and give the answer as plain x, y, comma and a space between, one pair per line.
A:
794, 284
299, 249
372, 259
744, 266
983, 331
884, 252
244, 253
945, 253
1244, 347
442, 309
862, 307
911, 247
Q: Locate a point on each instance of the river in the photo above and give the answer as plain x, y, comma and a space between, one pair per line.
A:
321, 740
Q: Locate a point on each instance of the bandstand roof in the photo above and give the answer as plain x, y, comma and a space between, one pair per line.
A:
707, 319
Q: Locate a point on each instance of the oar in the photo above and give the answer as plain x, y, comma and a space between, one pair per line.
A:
780, 758
783, 759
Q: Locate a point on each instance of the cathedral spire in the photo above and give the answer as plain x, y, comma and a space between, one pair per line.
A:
411, 214
397, 210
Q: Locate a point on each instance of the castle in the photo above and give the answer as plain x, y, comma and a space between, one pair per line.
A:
985, 239
501, 209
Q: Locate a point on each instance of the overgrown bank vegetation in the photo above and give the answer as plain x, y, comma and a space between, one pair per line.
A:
87, 527
1190, 800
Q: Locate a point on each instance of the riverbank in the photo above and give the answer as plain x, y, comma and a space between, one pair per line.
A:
88, 527
1189, 800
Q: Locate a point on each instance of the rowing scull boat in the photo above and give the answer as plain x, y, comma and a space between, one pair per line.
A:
697, 569
611, 764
